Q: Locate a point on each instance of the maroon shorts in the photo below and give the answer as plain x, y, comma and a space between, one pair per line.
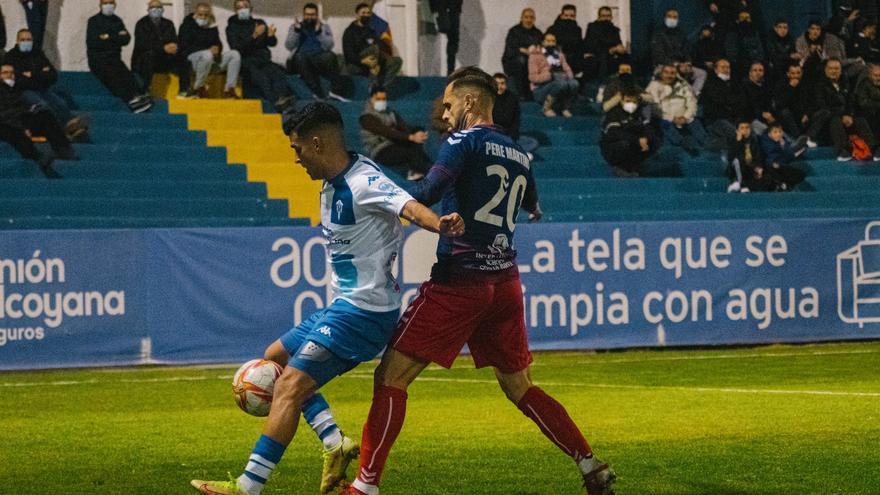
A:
487, 316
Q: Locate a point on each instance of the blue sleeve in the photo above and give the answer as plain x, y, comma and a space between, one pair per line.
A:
450, 163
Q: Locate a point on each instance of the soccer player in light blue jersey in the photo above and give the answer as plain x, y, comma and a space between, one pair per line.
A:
360, 211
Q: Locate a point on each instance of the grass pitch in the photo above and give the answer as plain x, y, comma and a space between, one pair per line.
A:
769, 420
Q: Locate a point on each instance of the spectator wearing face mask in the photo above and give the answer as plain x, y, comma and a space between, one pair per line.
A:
156, 50
707, 49
552, 79
669, 42
627, 137
678, 107
364, 57
519, 40
105, 37
722, 102
36, 12
252, 38
37, 78
310, 42
18, 120
618, 84
780, 51
742, 46
390, 141
568, 37
200, 44
603, 47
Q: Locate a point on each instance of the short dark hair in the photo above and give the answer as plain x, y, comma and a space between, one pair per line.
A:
569, 6
310, 117
499, 75
831, 59
743, 120
310, 5
23, 30
360, 6
473, 77
774, 125
632, 92
780, 20
377, 89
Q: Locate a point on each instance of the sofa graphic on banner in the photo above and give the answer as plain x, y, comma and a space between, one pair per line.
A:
858, 279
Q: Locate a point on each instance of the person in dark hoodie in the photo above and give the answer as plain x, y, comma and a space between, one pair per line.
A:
759, 98
792, 105
780, 51
37, 78
864, 44
361, 48
742, 46
156, 50
568, 37
105, 36
832, 94
627, 138
723, 103
18, 119
745, 157
200, 44
779, 152
603, 47
669, 42
707, 49
252, 37
520, 39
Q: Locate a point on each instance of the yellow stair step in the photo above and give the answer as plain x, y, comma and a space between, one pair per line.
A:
230, 137
220, 107
233, 121
249, 154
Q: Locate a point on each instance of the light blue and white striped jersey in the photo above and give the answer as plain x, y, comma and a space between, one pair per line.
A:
360, 215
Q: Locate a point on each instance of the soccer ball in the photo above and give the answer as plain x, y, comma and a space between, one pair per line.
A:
252, 386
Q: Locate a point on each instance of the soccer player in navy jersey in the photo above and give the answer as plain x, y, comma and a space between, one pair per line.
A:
474, 296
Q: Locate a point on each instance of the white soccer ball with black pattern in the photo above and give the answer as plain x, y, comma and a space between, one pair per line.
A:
252, 386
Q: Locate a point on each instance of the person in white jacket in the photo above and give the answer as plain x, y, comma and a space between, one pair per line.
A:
677, 104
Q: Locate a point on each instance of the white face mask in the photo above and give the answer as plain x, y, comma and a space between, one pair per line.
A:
244, 14
671, 22
630, 106
108, 9
724, 77
380, 106
156, 12
10, 82
201, 22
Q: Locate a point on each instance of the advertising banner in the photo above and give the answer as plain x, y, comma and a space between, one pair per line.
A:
113, 297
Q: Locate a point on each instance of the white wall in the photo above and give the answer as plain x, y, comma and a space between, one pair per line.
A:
484, 26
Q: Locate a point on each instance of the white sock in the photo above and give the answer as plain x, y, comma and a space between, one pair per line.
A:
587, 464
332, 439
252, 487
368, 489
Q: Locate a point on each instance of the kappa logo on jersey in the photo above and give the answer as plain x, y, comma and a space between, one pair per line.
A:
325, 330
371, 179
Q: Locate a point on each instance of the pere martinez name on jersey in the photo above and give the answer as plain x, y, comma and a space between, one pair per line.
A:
360, 218
495, 149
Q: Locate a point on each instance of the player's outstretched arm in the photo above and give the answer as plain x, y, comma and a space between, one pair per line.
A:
451, 225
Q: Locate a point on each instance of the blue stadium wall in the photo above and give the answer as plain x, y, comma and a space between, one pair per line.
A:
646, 15
122, 297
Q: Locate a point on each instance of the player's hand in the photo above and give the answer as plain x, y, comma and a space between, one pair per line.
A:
171, 48
451, 225
104, 36
536, 215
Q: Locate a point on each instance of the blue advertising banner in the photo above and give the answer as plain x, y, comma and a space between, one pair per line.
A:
87, 298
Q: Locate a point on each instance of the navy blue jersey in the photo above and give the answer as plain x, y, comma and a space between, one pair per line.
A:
482, 174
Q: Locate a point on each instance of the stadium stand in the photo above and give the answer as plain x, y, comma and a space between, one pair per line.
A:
188, 163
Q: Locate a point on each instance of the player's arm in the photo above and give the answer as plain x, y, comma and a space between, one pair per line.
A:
430, 190
530, 201
451, 225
